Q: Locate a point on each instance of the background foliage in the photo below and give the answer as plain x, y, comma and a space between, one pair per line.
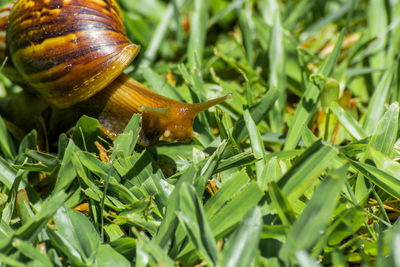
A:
301, 167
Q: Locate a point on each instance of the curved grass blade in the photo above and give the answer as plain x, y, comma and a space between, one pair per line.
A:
377, 102
348, 122
28, 250
6, 143
256, 143
198, 32
305, 169
192, 217
309, 101
150, 254
241, 247
107, 256
77, 230
382, 179
258, 113
315, 217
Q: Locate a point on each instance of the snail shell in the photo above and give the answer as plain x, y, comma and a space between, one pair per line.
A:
68, 50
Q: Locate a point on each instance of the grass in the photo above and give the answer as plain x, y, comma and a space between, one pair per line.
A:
300, 167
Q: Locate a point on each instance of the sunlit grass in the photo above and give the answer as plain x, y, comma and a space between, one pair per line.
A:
300, 167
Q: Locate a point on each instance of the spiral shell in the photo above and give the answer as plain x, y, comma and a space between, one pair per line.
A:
4, 14
68, 50
6, 64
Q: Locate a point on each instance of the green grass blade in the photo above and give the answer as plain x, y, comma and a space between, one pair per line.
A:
198, 32
160, 85
378, 177
325, 20
107, 256
6, 143
257, 145
383, 162
277, 74
113, 157
386, 131
10, 261
193, 219
305, 259
159, 35
299, 11
86, 132
305, 169
149, 253
258, 112
382, 140
33, 253
170, 221
377, 103
79, 232
241, 248
227, 191
126, 141
30, 230
235, 209
315, 216
62, 244
348, 122
7, 173
247, 33
281, 204
308, 103
230, 214
396, 245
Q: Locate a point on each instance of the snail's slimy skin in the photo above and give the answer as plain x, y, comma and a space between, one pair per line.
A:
163, 119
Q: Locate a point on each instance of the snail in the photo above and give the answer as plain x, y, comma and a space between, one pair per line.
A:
71, 53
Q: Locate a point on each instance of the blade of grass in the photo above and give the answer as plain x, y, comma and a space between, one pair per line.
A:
33, 253
308, 103
315, 217
281, 204
305, 170
107, 256
159, 34
378, 177
348, 122
247, 29
241, 248
194, 221
257, 145
149, 253
258, 112
304, 259
377, 102
277, 73
77, 230
6, 144
113, 157
382, 140
198, 32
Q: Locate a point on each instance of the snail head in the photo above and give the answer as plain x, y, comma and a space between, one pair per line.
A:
174, 122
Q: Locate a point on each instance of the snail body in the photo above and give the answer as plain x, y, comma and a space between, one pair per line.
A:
73, 53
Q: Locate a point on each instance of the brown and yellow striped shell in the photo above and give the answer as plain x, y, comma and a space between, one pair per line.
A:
66, 50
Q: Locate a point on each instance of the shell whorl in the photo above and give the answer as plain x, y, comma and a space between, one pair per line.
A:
68, 50
6, 64
4, 14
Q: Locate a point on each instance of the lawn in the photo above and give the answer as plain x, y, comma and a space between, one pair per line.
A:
301, 167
